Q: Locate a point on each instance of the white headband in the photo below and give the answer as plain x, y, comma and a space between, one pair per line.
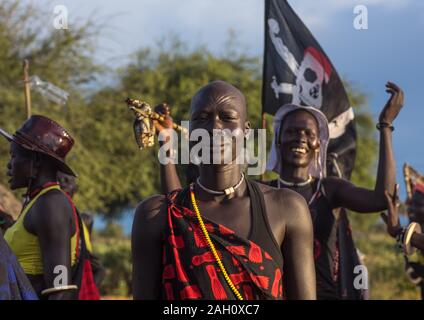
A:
274, 160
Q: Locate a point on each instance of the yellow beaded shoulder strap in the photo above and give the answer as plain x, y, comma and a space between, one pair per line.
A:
211, 245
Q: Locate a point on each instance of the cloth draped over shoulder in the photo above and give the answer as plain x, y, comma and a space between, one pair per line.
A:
191, 272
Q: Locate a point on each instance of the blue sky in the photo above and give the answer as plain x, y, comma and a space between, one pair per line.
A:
391, 49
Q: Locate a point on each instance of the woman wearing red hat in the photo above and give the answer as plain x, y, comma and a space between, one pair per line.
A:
44, 238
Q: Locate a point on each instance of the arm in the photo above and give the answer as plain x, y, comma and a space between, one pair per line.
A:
297, 249
391, 219
168, 172
169, 178
53, 226
146, 247
347, 195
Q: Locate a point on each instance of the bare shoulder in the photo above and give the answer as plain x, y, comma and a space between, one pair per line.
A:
52, 199
51, 214
150, 214
285, 203
52, 206
283, 196
150, 207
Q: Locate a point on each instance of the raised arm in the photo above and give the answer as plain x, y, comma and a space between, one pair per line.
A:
146, 247
168, 173
297, 249
345, 194
52, 221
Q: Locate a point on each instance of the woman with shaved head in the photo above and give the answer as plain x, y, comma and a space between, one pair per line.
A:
224, 236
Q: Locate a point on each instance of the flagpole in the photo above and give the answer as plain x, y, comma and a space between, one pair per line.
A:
27, 88
263, 127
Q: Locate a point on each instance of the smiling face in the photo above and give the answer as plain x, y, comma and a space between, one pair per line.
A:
19, 167
299, 139
220, 106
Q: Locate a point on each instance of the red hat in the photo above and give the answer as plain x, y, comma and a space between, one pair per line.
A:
322, 60
41, 134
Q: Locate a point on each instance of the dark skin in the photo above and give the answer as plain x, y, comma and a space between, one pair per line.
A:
391, 218
69, 184
299, 147
301, 131
50, 218
168, 173
291, 228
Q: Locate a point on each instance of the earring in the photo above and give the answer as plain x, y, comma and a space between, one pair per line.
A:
316, 158
247, 133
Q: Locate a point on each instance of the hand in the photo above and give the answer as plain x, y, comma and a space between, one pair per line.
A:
392, 219
393, 105
160, 126
164, 110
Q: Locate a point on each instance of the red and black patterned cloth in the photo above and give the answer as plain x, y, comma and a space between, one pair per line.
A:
191, 272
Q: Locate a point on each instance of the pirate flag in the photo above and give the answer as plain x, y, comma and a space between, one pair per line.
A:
296, 70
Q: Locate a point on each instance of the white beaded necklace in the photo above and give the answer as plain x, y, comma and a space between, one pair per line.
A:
227, 191
294, 184
301, 184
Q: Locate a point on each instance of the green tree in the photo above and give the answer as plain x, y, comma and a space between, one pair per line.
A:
113, 173
167, 73
62, 57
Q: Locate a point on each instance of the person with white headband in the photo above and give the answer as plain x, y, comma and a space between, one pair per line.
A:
298, 155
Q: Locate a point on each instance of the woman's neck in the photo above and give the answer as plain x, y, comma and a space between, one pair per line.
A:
218, 177
294, 174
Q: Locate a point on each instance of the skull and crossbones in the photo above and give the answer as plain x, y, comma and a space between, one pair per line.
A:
311, 74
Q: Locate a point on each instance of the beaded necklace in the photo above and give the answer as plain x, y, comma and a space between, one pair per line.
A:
211, 245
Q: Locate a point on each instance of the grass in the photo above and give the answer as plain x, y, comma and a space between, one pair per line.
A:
385, 264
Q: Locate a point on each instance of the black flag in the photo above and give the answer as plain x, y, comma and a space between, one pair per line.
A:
296, 70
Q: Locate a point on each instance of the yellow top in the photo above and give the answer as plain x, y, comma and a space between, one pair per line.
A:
25, 244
